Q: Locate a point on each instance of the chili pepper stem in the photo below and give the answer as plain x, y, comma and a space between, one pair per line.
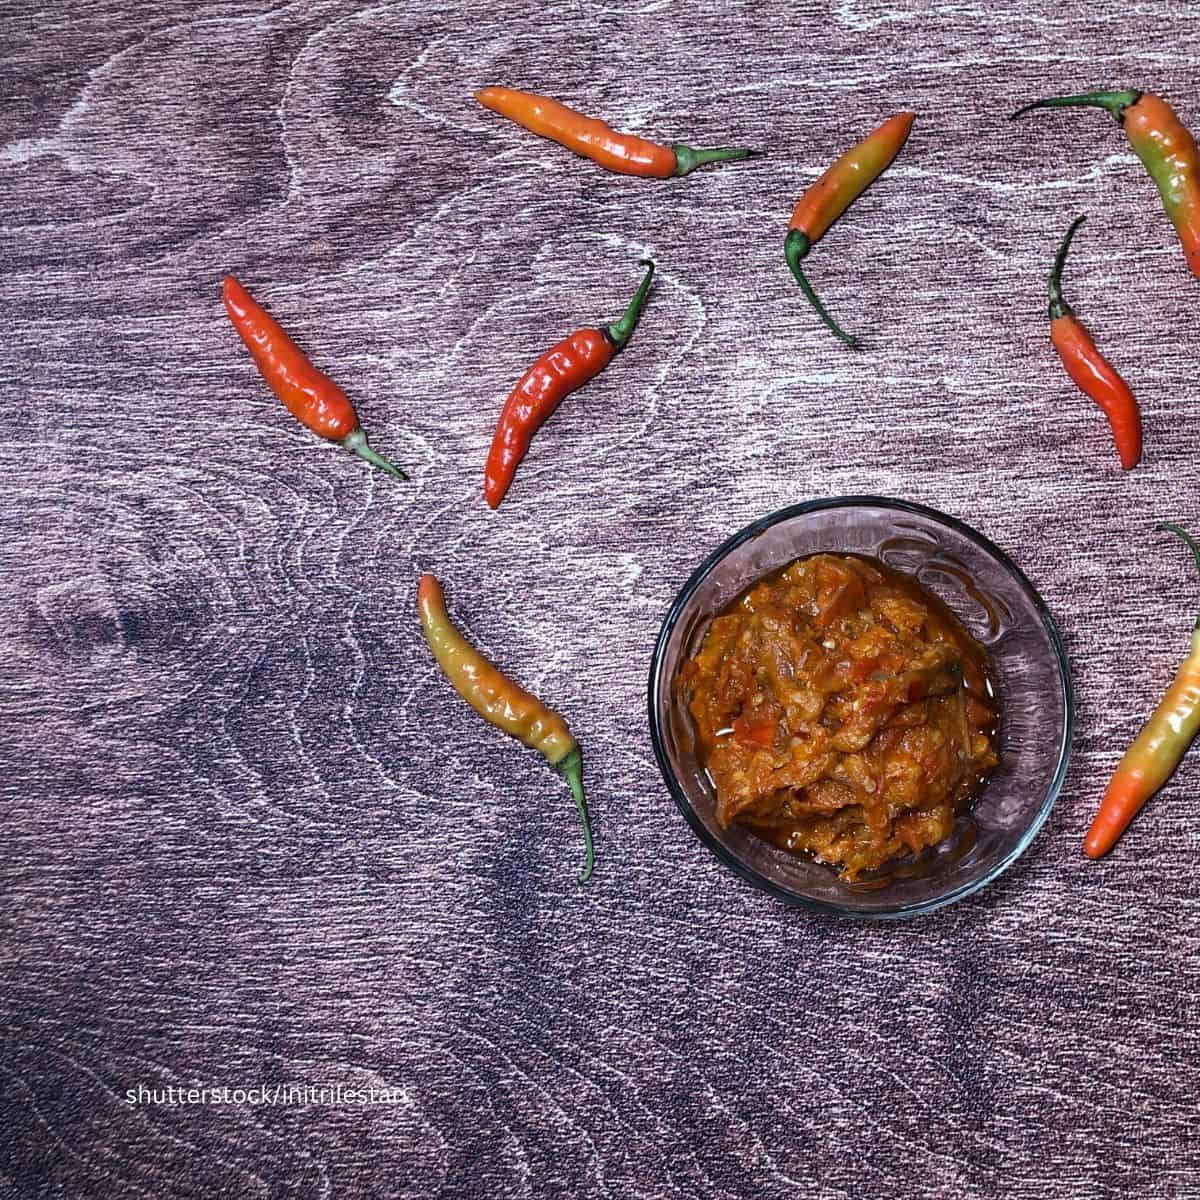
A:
1179, 531
1058, 306
687, 159
571, 767
620, 331
1115, 102
356, 442
795, 247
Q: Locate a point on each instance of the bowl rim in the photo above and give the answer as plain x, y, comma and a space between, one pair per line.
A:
748, 873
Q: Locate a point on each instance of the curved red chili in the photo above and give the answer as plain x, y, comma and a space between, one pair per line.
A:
1167, 150
1090, 370
308, 394
560, 371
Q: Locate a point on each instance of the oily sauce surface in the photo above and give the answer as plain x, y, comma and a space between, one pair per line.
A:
842, 711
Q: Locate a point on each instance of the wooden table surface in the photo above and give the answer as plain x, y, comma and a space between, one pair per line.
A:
252, 837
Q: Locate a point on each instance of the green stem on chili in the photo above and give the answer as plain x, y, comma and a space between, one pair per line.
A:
621, 330
1115, 102
571, 768
1058, 306
688, 158
795, 247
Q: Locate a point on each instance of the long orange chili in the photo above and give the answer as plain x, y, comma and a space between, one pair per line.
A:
308, 394
591, 138
1167, 150
833, 193
498, 700
543, 387
1091, 371
1157, 750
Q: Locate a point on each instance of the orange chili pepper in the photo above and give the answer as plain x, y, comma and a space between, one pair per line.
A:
1165, 146
501, 702
308, 394
1091, 371
833, 193
590, 138
1157, 750
544, 386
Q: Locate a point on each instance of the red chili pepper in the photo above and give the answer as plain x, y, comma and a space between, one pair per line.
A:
1167, 150
559, 372
308, 394
501, 702
1156, 751
1090, 370
833, 193
620, 152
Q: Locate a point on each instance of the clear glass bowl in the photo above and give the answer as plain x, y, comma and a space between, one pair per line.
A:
998, 606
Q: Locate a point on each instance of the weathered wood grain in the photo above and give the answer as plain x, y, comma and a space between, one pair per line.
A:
251, 836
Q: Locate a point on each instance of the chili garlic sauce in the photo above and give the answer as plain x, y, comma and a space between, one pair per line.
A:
842, 712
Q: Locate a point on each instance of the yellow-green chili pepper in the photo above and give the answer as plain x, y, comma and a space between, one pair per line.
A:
498, 700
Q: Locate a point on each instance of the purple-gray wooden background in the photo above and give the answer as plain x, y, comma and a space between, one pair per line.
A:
250, 835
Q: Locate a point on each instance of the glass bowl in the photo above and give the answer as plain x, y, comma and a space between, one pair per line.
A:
998, 606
